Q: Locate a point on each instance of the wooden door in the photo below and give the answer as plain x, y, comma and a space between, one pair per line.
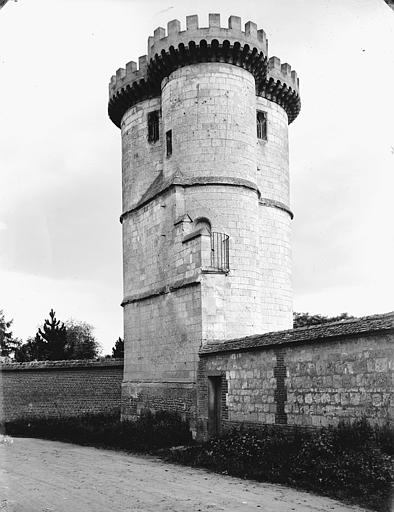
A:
214, 405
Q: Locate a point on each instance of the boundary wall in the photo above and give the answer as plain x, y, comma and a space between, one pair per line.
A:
60, 388
307, 377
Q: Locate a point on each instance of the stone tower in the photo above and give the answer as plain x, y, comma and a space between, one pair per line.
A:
206, 219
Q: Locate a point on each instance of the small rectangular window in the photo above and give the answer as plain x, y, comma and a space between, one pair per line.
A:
153, 126
261, 121
169, 142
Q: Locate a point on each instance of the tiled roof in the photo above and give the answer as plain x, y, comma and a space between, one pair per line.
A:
315, 334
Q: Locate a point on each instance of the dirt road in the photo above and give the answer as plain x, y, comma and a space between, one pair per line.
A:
49, 476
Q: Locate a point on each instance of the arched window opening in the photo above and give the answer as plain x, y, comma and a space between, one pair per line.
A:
202, 223
261, 121
219, 258
154, 126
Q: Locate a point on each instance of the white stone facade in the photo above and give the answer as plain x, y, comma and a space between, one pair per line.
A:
218, 175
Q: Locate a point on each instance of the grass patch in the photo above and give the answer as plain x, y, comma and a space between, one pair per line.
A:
349, 462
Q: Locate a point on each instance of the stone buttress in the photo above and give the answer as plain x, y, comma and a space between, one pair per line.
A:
206, 219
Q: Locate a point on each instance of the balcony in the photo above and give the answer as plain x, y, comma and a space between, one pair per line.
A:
220, 252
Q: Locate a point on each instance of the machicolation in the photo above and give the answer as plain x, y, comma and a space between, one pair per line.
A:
249, 50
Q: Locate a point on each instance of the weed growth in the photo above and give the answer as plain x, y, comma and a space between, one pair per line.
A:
351, 462
148, 432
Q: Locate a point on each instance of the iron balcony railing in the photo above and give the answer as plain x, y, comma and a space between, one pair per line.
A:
220, 251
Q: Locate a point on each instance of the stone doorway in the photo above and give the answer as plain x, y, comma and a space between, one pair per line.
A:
214, 405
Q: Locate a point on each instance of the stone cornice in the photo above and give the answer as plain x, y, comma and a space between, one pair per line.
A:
161, 186
271, 203
194, 280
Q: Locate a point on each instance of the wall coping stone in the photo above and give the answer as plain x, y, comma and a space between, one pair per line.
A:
62, 365
367, 325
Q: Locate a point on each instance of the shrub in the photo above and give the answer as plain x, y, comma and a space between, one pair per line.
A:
346, 462
384, 437
148, 432
351, 461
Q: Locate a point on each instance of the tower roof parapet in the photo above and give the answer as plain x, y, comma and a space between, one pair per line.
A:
169, 51
233, 33
282, 86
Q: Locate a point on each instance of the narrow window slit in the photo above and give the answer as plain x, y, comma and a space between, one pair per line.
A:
169, 142
261, 122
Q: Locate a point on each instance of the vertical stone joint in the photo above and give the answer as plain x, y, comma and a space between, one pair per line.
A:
280, 393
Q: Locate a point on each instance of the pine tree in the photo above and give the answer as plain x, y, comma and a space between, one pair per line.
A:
53, 335
118, 349
8, 344
58, 341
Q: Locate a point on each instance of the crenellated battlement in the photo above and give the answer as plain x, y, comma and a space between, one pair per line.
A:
129, 86
281, 86
283, 72
233, 33
175, 48
131, 73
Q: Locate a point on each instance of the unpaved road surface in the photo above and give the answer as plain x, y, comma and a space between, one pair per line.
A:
49, 476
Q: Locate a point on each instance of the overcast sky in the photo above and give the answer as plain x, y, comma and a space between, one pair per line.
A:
60, 195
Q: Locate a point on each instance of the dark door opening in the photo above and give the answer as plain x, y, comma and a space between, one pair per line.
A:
214, 405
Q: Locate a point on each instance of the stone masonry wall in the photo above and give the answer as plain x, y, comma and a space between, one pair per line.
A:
141, 159
275, 257
211, 110
155, 253
162, 336
179, 397
231, 303
273, 154
274, 220
59, 388
309, 377
341, 379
